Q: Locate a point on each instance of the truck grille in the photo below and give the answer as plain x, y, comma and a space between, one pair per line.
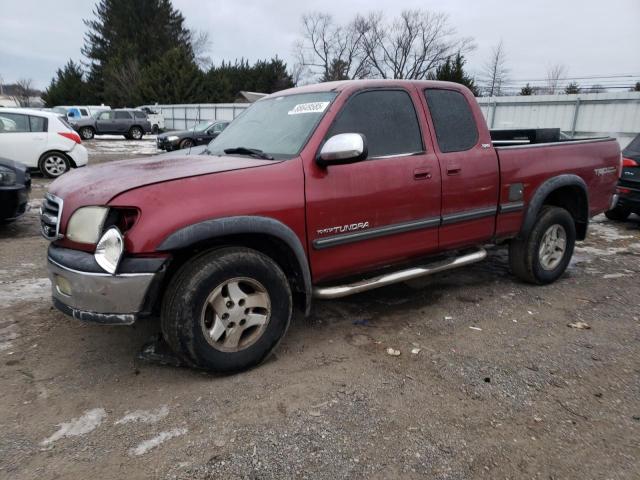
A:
50, 214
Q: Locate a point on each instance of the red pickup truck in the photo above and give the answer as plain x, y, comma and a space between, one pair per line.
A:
320, 191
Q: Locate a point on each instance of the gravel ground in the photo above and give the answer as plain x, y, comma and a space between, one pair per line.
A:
491, 382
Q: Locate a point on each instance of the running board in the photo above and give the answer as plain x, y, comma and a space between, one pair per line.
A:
338, 291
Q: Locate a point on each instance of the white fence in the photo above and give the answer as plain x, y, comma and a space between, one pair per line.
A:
581, 115
183, 117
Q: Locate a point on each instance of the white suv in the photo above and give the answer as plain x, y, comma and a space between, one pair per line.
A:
41, 140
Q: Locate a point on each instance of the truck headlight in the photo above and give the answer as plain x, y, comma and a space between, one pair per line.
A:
7, 176
85, 225
109, 250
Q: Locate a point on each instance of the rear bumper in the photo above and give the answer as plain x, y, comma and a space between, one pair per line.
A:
79, 155
629, 198
82, 291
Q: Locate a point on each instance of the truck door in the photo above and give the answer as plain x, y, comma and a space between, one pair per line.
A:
123, 121
380, 210
469, 166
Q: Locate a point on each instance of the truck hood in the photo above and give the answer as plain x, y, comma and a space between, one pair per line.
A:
98, 184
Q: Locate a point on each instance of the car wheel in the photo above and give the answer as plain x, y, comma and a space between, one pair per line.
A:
186, 143
226, 310
619, 214
53, 164
87, 133
544, 255
155, 130
136, 133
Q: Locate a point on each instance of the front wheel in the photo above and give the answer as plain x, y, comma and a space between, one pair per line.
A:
186, 143
543, 256
227, 309
136, 133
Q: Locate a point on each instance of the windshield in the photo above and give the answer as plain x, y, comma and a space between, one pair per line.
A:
278, 126
201, 127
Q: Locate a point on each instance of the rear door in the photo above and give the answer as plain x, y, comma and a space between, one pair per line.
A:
469, 166
383, 209
17, 140
123, 121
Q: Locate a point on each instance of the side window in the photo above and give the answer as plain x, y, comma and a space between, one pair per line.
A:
14, 123
38, 124
139, 114
387, 118
105, 116
453, 120
84, 112
122, 115
218, 127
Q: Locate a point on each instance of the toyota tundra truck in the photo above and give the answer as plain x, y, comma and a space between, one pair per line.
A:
316, 192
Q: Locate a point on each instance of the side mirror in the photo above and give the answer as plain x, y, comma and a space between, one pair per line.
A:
342, 149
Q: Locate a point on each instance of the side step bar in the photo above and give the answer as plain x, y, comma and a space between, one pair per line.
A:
339, 291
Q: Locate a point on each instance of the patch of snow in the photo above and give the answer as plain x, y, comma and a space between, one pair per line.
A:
88, 422
152, 443
616, 275
24, 290
7, 334
607, 231
144, 416
601, 252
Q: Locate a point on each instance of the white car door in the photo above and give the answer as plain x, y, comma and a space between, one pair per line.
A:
18, 142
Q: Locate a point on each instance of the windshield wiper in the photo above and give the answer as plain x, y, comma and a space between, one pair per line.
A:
254, 152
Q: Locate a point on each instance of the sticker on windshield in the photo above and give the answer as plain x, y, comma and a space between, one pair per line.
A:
312, 107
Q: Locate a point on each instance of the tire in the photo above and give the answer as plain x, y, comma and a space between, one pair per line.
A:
533, 263
53, 164
155, 130
198, 331
136, 133
87, 133
186, 143
619, 214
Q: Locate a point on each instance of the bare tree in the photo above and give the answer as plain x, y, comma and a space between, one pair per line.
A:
23, 91
411, 46
201, 46
496, 71
329, 50
555, 75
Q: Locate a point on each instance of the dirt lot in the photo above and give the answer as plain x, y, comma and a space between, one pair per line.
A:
499, 385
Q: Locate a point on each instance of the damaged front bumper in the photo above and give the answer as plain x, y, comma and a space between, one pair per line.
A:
81, 289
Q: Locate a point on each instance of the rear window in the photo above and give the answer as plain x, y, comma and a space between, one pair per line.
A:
453, 120
386, 118
84, 112
38, 124
123, 115
140, 114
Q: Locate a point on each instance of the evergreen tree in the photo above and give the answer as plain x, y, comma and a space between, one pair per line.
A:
526, 90
68, 87
174, 78
452, 70
636, 88
572, 88
143, 30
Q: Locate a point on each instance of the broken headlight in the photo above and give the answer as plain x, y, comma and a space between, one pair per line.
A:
85, 225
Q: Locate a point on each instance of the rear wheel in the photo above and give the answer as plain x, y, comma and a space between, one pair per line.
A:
186, 143
619, 214
136, 133
87, 133
155, 130
53, 164
543, 256
226, 310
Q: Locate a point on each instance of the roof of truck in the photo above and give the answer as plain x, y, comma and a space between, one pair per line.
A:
342, 85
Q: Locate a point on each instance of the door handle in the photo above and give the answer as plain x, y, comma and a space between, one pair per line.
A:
421, 174
453, 169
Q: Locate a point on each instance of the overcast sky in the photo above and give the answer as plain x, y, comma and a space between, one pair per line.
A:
590, 37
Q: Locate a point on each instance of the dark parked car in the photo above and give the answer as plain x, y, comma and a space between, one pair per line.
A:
629, 184
201, 134
131, 123
15, 184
